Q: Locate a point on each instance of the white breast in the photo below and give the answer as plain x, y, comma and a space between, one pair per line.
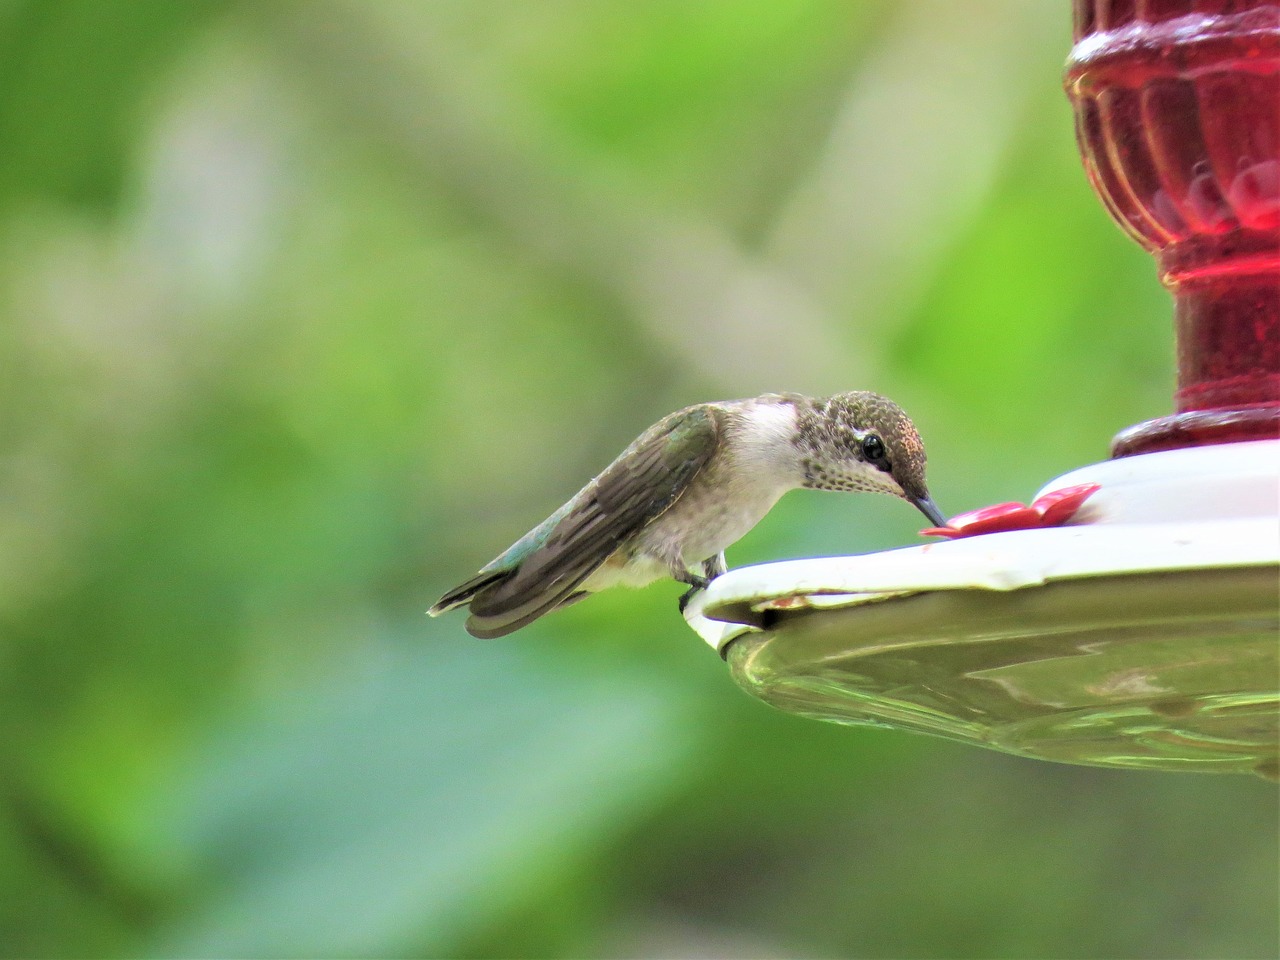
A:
757, 464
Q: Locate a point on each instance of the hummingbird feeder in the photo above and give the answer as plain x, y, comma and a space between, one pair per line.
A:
1130, 615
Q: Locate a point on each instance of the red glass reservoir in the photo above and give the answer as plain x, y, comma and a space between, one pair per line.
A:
1177, 106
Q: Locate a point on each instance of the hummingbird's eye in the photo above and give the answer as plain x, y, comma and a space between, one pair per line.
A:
872, 448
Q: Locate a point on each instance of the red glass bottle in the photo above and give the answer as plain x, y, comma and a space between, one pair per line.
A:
1177, 106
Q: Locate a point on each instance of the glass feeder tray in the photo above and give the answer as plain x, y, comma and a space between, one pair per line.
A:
1145, 633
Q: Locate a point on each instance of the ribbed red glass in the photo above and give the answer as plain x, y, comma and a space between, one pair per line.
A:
1177, 106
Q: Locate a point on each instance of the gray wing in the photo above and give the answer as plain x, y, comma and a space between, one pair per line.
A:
638, 487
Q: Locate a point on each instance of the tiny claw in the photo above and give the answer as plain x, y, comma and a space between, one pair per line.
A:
686, 597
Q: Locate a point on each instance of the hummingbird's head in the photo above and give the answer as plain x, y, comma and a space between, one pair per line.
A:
862, 441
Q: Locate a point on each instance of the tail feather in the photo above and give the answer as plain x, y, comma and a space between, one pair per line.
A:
463, 594
501, 601
489, 627
486, 626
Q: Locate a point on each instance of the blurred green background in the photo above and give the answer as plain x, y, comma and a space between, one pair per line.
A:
309, 309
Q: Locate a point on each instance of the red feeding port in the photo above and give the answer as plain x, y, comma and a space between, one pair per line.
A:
1051, 510
1177, 106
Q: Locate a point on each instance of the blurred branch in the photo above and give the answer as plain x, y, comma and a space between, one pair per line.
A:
733, 319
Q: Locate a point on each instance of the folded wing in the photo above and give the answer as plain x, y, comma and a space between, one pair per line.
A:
637, 488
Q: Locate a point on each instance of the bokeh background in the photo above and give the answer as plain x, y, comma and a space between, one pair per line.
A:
309, 309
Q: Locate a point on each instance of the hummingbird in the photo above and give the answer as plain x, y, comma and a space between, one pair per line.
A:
688, 487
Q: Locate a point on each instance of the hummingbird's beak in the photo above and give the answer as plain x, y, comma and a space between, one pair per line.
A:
930, 509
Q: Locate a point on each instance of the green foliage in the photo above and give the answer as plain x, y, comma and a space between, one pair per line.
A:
308, 310
395, 808
75, 73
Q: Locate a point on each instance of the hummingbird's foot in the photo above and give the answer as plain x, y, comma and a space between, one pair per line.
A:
687, 596
695, 582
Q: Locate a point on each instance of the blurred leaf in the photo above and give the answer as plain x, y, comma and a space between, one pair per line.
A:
396, 807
